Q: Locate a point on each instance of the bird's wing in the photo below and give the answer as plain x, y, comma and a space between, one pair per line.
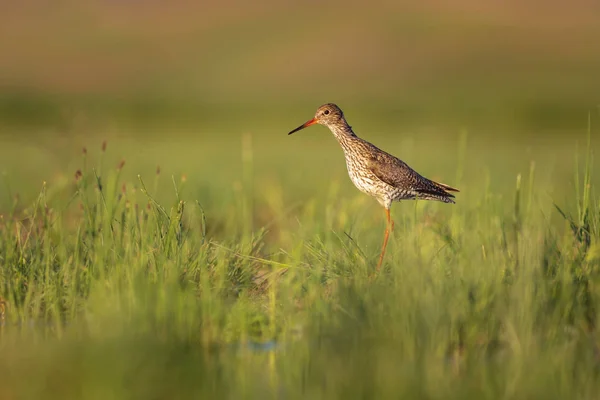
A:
397, 173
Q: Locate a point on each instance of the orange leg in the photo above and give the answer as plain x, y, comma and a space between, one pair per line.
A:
388, 228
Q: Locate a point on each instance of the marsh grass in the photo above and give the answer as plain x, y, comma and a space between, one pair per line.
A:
109, 293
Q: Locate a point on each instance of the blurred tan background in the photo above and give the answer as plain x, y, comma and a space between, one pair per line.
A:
178, 84
535, 62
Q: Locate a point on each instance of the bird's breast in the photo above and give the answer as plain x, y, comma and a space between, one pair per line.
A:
363, 178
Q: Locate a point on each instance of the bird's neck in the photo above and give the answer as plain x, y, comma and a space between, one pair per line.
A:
342, 132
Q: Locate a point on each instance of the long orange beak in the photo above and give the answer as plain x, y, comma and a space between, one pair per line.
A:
306, 124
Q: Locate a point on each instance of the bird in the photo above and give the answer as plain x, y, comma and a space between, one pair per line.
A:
375, 172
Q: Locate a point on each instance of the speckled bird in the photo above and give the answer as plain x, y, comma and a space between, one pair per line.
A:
375, 172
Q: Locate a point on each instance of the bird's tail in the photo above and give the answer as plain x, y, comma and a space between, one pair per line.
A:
437, 191
444, 198
446, 187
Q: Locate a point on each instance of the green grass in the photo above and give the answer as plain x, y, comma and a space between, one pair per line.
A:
242, 270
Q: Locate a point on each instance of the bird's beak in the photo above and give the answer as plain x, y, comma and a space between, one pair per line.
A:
306, 124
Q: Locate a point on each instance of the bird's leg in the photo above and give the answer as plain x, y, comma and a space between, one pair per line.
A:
389, 226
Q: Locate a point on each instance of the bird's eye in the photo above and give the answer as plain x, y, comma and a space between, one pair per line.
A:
326, 112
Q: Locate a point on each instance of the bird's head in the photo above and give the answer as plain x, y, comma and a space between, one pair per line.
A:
328, 114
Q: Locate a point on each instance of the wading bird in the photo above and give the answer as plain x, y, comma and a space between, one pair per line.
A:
375, 172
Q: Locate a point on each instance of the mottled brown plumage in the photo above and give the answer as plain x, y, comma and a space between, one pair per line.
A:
375, 172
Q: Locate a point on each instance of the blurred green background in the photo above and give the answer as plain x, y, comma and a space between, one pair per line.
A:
252, 65
178, 83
